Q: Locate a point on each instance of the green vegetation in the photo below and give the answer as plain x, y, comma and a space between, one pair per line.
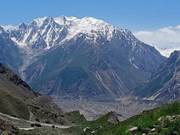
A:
98, 124
7, 129
147, 121
75, 117
13, 106
164, 120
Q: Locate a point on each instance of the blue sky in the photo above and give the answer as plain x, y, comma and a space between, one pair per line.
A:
154, 22
134, 15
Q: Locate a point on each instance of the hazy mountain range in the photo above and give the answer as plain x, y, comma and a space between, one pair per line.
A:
79, 58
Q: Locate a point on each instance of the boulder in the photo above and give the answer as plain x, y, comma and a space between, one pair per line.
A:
113, 118
153, 130
133, 129
87, 128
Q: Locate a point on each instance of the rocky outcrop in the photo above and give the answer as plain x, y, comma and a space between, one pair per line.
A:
113, 118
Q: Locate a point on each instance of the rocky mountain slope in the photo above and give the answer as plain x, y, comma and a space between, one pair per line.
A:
10, 54
82, 58
13, 84
164, 85
19, 100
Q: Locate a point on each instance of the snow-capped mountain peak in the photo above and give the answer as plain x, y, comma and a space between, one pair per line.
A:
62, 20
88, 25
8, 27
167, 51
41, 21
44, 33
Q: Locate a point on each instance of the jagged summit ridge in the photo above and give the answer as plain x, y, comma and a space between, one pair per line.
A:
44, 33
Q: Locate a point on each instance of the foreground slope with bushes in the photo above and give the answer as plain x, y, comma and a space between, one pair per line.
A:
160, 121
164, 120
19, 100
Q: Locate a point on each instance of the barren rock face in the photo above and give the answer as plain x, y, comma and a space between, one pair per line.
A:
113, 118
164, 86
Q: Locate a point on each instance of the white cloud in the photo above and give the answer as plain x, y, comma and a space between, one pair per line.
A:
178, 27
165, 37
167, 51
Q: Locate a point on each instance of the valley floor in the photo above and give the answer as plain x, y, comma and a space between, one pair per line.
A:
125, 108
